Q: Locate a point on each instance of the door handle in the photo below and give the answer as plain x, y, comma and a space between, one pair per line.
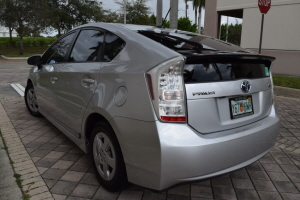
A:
53, 79
88, 81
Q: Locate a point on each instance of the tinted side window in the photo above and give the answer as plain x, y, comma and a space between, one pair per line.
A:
87, 46
113, 45
58, 52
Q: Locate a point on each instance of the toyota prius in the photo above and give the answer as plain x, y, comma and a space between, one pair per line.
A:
154, 106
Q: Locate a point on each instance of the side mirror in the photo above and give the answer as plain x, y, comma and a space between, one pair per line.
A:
34, 60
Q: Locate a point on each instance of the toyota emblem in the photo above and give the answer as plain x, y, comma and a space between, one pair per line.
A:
245, 86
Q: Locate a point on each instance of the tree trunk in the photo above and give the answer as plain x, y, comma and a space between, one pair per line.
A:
196, 16
58, 30
186, 7
21, 43
199, 20
10, 33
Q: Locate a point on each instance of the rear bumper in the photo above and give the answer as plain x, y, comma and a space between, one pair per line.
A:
160, 155
190, 156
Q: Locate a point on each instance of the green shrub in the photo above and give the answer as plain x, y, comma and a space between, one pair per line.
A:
12, 43
42, 42
35, 43
27, 41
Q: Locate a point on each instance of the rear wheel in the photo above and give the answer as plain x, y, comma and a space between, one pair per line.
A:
107, 158
31, 101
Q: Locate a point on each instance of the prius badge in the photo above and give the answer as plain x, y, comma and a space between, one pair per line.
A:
245, 86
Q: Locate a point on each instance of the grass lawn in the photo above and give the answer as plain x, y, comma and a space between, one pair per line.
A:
286, 81
28, 51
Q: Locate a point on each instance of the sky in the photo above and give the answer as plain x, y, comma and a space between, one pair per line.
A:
111, 5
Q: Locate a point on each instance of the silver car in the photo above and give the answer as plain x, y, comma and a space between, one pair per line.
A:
153, 106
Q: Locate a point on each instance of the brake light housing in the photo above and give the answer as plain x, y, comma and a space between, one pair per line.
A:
166, 89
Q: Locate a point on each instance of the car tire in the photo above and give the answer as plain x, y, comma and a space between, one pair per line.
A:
107, 158
31, 101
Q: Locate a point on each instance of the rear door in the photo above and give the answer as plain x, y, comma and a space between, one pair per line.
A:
227, 91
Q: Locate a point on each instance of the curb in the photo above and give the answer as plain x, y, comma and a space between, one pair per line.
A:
33, 184
288, 92
9, 188
13, 58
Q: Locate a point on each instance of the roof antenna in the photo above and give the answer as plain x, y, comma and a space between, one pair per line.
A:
162, 25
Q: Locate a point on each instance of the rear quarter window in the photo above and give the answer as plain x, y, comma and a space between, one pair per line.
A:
112, 46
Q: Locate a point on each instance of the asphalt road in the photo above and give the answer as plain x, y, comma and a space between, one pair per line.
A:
12, 71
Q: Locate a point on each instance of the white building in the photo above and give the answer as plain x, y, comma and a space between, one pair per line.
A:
281, 29
5, 33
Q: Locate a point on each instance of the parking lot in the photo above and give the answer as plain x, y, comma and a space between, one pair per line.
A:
52, 166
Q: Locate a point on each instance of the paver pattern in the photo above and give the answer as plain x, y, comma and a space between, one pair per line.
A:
68, 172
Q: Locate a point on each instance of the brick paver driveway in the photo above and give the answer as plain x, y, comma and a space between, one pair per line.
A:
68, 173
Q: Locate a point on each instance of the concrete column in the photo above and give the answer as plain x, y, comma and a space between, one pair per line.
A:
212, 19
159, 8
174, 14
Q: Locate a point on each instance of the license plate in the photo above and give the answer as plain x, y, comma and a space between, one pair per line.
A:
241, 106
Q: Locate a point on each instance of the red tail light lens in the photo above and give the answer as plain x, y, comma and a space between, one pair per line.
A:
166, 88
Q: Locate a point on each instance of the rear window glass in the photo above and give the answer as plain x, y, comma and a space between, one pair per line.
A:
208, 72
185, 41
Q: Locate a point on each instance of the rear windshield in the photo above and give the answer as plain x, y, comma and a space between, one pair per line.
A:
208, 72
181, 41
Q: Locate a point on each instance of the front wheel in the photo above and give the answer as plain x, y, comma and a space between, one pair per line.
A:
31, 101
107, 158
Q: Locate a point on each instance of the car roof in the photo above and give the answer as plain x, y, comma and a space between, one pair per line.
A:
136, 27
220, 46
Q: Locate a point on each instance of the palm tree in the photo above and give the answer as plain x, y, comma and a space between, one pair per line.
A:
186, 6
198, 5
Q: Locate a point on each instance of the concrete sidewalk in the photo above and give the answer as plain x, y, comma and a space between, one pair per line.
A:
30, 180
8, 186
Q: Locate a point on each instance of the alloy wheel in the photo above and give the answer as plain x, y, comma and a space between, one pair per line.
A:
104, 156
32, 101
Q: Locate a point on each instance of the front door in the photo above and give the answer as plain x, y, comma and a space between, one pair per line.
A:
77, 79
46, 77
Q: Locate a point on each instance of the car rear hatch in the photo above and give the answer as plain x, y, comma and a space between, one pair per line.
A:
226, 91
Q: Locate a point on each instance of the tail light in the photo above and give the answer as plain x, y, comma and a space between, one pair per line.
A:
166, 88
